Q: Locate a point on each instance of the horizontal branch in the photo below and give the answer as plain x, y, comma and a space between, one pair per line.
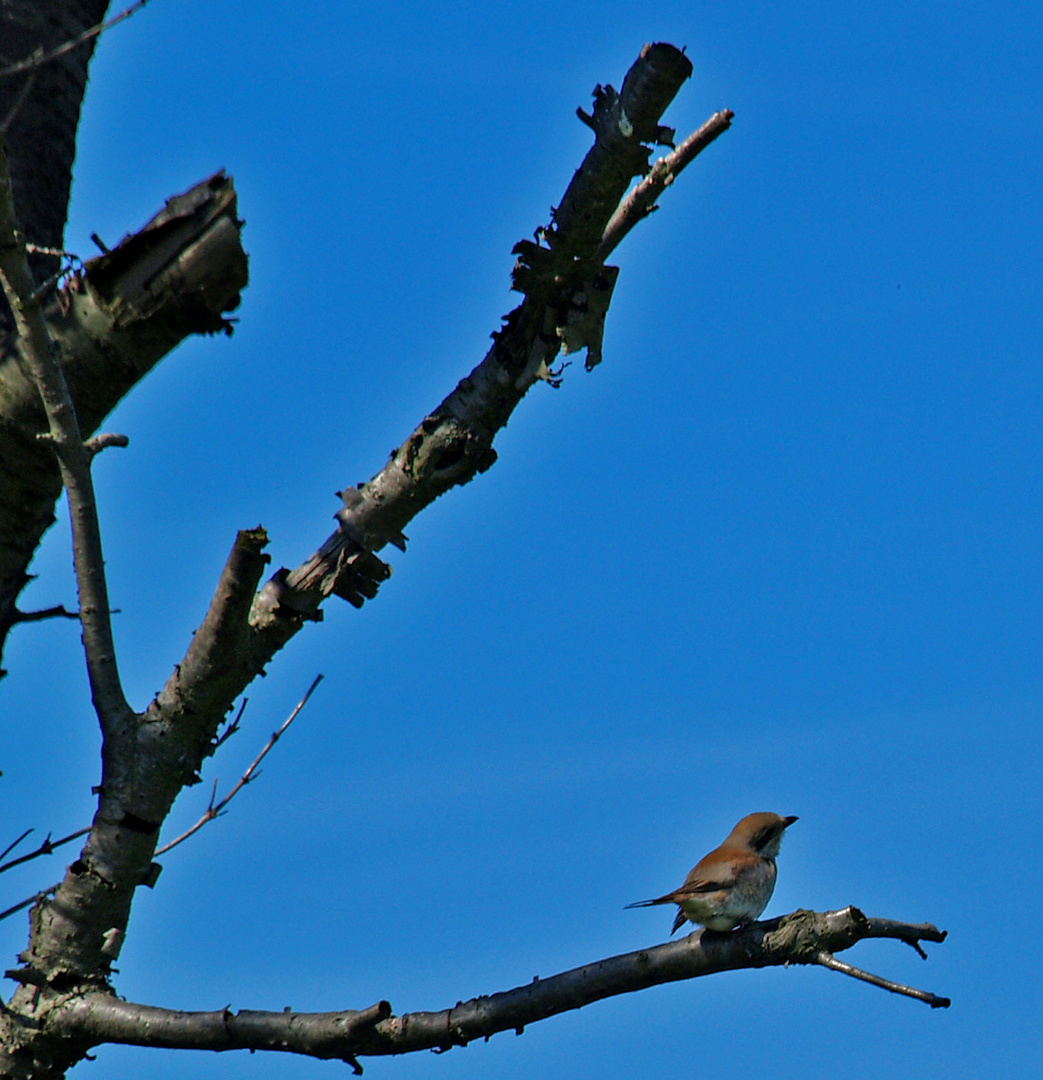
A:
798, 938
804, 937
101, 1018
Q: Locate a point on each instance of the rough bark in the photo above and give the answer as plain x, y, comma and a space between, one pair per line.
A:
112, 324
800, 938
76, 936
41, 111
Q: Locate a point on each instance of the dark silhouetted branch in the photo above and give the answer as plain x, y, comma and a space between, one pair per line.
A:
45, 848
804, 937
39, 58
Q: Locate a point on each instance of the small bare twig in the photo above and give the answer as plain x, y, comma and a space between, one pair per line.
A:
57, 612
828, 960
233, 727
14, 843
39, 57
640, 201
19, 101
216, 809
23, 904
58, 253
45, 848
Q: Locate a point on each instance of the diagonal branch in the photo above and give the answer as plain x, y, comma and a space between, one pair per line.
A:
828, 960
641, 201
40, 358
215, 809
45, 848
39, 58
454, 442
803, 937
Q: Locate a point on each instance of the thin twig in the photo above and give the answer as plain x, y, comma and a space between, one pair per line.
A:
233, 727
19, 101
216, 809
39, 58
57, 612
828, 960
14, 843
44, 849
640, 201
26, 903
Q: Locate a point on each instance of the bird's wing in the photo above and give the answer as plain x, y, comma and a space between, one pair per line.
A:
714, 872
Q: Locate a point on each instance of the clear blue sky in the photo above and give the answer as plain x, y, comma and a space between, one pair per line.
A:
780, 551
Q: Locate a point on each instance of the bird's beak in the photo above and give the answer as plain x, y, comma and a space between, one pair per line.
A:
789, 820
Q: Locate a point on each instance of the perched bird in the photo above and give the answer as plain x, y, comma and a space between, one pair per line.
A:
733, 884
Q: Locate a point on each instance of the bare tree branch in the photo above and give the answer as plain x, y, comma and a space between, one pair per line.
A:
46, 848
804, 937
14, 843
216, 809
40, 358
39, 58
641, 201
57, 612
103, 1018
112, 323
828, 960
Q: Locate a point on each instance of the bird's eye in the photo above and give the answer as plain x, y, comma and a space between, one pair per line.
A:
763, 837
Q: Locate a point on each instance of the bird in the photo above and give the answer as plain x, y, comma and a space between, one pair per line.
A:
731, 885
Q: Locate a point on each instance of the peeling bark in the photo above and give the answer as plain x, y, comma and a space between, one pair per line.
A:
112, 324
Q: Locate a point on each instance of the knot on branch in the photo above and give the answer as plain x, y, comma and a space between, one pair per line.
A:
802, 935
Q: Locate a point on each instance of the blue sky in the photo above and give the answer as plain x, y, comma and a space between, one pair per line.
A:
780, 551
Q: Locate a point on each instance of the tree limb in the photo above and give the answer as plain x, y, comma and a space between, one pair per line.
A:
215, 809
40, 57
641, 201
112, 323
803, 937
77, 936
41, 360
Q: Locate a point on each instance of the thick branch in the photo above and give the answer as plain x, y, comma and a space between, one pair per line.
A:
100, 1018
454, 442
800, 938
